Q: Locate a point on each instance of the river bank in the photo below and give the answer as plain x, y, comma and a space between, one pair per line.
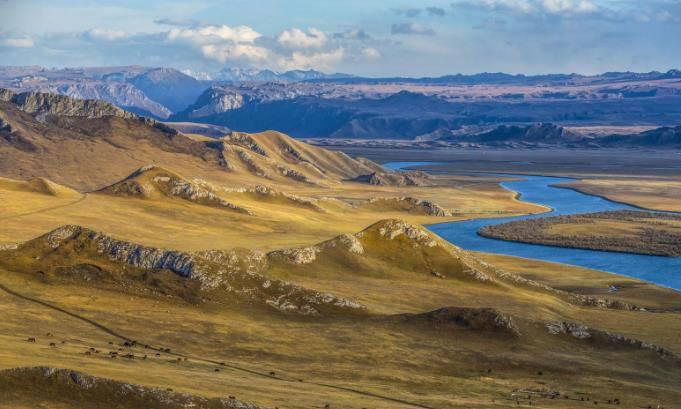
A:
540, 190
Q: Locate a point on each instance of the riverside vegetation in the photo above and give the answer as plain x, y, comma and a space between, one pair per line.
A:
623, 230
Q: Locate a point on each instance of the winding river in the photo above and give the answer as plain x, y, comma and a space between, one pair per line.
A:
665, 271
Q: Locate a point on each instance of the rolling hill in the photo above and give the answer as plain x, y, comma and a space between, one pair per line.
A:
89, 144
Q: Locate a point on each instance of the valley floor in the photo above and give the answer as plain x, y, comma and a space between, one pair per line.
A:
394, 354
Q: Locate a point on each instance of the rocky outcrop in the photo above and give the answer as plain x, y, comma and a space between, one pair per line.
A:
582, 332
150, 180
5, 126
73, 387
393, 228
247, 142
252, 165
292, 174
391, 241
402, 178
579, 299
44, 104
240, 273
409, 204
477, 319
268, 193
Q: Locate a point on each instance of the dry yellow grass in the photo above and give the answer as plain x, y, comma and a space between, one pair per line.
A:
654, 194
436, 367
178, 224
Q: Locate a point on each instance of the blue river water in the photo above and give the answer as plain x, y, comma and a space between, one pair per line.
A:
665, 271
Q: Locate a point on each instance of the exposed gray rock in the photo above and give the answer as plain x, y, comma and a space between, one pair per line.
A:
247, 142
238, 272
583, 332
170, 185
393, 228
43, 104
272, 193
411, 203
401, 178
579, 299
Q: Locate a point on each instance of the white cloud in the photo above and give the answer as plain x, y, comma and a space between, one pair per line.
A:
228, 52
371, 53
568, 6
320, 61
22, 42
212, 34
548, 7
107, 35
296, 38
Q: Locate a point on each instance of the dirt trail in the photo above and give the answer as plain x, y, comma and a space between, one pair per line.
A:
224, 364
47, 209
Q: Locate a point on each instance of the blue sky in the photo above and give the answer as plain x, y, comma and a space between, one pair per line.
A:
368, 37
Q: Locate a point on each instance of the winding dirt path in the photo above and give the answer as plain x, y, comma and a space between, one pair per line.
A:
47, 209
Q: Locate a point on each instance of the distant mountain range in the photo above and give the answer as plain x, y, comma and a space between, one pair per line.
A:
533, 136
234, 74
311, 104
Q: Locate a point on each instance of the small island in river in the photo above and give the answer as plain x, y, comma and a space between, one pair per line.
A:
625, 231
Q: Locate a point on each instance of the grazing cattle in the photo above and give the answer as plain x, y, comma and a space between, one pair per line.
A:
52, 344
31, 340
273, 373
232, 397
217, 369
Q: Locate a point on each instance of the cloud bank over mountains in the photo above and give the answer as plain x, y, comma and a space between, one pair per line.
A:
377, 38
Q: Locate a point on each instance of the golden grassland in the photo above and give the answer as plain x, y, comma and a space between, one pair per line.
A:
177, 224
438, 367
654, 194
372, 361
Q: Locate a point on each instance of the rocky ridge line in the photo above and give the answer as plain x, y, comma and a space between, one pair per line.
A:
239, 273
43, 104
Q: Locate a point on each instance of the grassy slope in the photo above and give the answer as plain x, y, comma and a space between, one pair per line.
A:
179, 224
439, 367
